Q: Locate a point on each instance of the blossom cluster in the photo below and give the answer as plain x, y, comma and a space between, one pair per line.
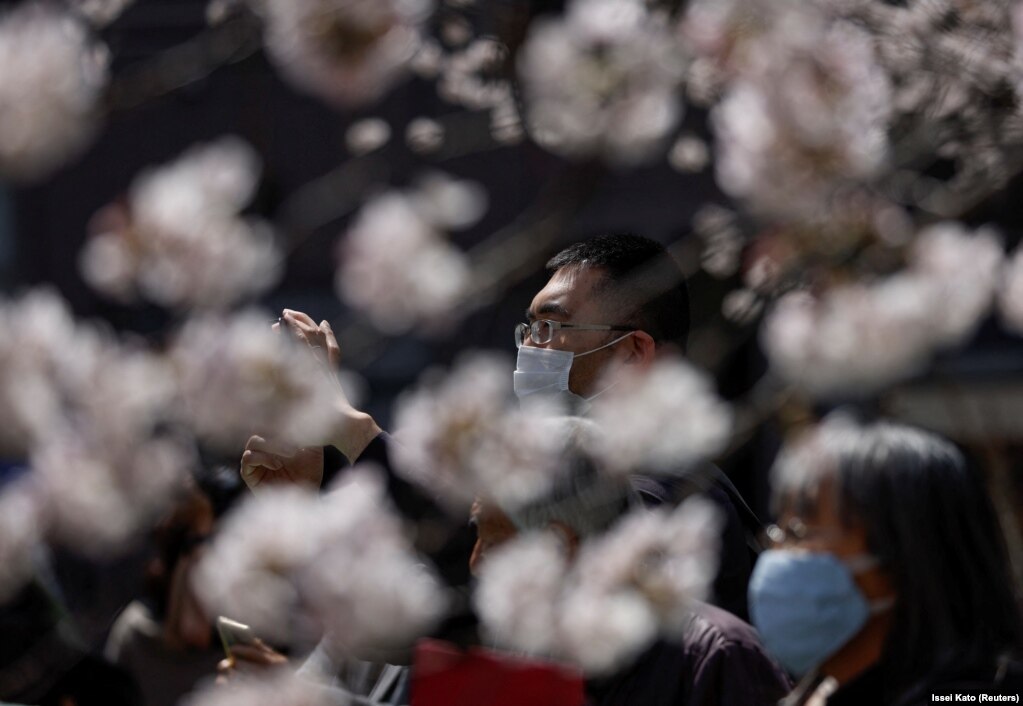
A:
292, 563
462, 436
857, 337
87, 414
665, 419
396, 264
180, 239
624, 589
346, 52
52, 78
603, 81
237, 377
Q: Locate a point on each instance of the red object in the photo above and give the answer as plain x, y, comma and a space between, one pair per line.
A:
443, 675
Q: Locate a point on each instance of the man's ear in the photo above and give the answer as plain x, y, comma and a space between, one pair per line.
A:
640, 349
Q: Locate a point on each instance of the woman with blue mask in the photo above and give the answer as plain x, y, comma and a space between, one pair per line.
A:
888, 581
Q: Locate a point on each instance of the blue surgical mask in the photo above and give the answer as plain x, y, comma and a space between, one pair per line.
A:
807, 606
546, 370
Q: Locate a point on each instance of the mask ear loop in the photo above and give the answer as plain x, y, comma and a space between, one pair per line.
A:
863, 563
609, 343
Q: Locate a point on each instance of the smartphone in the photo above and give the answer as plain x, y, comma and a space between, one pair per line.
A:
234, 633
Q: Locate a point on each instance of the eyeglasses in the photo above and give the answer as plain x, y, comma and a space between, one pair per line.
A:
542, 331
794, 532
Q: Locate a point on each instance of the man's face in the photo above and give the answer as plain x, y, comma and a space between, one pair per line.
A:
572, 296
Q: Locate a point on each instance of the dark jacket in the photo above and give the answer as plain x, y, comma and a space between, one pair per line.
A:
717, 661
875, 688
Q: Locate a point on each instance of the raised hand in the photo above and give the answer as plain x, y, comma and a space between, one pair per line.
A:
266, 463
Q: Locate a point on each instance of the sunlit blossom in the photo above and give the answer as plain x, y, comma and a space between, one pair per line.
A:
396, 264
808, 116
624, 589
52, 77
855, 338
346, 52
461, 436
237, 378
180, 239
667, 418
289, 561
602, 81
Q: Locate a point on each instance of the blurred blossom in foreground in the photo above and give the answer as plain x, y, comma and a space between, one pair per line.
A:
101, 12
52, 76
624, 589
463, 436
99, 497
808, 115
348, 52
180, 240
289, 560
43, 347
237, 378
856, 338
667, 418
396, 264
85, 411
276, 688
602, 81
367, 135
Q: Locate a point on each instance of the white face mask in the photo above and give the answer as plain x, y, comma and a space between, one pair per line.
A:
546, 370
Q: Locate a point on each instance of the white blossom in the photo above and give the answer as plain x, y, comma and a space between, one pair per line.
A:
52, 76
100, 496
289, 560
397, 267
519, 592
474, 77
462, 437
84, 409
424, 135
667, 418
855, 338
181, 242
602, 81
808, 115
623, 590
367, 135
273, 688
348, 52
101, 12
237, 377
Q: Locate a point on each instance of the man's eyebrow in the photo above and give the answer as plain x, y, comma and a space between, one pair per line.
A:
550, 308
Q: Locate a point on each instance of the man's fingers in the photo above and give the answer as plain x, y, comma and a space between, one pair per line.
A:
276, 448
333, 349
251, 460
300, 317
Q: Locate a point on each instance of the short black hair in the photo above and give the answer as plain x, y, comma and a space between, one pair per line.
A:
930, 520
642, 277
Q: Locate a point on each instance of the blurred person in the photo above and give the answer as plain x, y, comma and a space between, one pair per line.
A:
890, 582
166, 641
612, 303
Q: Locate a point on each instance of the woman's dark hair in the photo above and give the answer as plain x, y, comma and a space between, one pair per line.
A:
929, 519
